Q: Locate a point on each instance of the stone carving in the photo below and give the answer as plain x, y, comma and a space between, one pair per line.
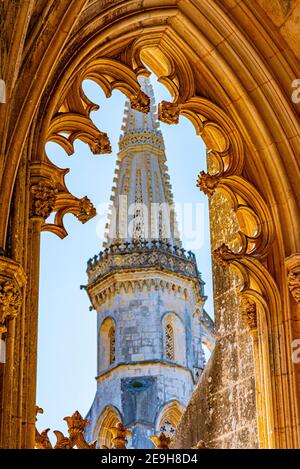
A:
86, 210
101, 145
249, 313
10, 302
294, 284
161, 441
140, 102
141, 254
76, 425
222, 255
168, 112
207, 183
43, 199
119, 433
141, 137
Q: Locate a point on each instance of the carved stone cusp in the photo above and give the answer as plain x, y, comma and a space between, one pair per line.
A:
101, 145
43, 198
207, 183
249, 313
223, 255
168, 112
140, 102
86, 210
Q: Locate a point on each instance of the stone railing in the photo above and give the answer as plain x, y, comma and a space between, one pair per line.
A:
143, 254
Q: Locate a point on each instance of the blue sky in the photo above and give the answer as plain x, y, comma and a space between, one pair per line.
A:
67, 329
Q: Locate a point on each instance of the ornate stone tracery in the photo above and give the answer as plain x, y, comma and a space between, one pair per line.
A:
234, 66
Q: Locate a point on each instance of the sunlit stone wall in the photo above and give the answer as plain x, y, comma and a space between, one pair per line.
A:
222, 409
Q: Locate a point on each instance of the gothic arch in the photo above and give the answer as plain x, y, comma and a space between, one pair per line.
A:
170, 412
239, 100
109, 417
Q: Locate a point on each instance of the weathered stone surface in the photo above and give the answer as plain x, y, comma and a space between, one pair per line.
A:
222, 410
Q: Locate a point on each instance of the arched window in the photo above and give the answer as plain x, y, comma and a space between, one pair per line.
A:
109, 418
169, 341
112, 345
107, 344
174, 339
168, 418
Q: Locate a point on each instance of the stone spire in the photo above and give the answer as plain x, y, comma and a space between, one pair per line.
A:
142, 200
149, 297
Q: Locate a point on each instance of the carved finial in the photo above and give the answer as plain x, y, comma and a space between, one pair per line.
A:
10, 302
140, 102
62, 442
43, 198
200, 445
294, 284
101, 145
207, 183
87, 210
161, 441
38, 410
76, 424
42, 440
168, 112
249, 313
119, 433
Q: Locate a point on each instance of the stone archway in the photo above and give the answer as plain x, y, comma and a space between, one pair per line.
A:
237, 98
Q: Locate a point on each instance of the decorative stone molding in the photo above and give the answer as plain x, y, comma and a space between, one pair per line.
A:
207, 183
142, 254
168, 112
293, 276
12, 279
43, 198
86, 210
101, 144
249, 313
140, 102
49, 193
10, 302
135, 286
294, 284
141, 138
222, 255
